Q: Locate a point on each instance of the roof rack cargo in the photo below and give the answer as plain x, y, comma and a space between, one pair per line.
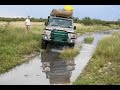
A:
61, 13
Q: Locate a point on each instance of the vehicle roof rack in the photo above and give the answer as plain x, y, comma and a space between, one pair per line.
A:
62, 17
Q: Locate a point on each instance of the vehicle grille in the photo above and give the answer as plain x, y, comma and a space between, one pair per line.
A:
59, 35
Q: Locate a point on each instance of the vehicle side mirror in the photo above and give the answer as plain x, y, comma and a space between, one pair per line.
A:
74, 27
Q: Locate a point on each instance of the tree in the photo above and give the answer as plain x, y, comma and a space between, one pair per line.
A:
76, 19
87, 21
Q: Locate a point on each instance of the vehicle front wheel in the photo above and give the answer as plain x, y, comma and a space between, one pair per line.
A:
43, 44
72, 45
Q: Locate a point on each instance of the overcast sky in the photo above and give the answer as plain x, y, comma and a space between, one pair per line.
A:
103, 12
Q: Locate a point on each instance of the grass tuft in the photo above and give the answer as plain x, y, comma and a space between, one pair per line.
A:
69, 53
89, 40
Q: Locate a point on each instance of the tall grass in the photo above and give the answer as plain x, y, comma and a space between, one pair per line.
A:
15, 44
104, 67
81, 28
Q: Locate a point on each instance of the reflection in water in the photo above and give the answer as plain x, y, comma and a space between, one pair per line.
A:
57, 71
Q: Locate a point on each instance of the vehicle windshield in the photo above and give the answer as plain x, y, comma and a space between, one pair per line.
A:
60, 22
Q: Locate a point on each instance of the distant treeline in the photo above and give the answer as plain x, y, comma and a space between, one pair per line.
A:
89, 21
86, 20
22, 19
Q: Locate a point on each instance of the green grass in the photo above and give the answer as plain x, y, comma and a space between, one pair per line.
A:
69, 53
82, 29
104, 67
15, 44
89, 40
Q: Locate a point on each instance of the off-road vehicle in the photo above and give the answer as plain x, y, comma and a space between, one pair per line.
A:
58, 30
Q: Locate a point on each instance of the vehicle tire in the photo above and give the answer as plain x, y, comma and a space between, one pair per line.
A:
43, 44
72, 45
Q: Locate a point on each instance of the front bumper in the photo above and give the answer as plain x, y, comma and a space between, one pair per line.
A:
59, 42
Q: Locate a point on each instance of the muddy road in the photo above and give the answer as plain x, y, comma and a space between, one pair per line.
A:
49, 69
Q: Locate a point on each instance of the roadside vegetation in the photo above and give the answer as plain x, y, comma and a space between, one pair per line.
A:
83, 29
88, 40
15, 43
104, 67
87, 24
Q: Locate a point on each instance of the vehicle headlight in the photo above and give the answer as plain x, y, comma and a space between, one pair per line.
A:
71, 40
45, 37
46, 34
72, 35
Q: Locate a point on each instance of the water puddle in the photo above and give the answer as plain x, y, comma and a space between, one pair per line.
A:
49, 69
